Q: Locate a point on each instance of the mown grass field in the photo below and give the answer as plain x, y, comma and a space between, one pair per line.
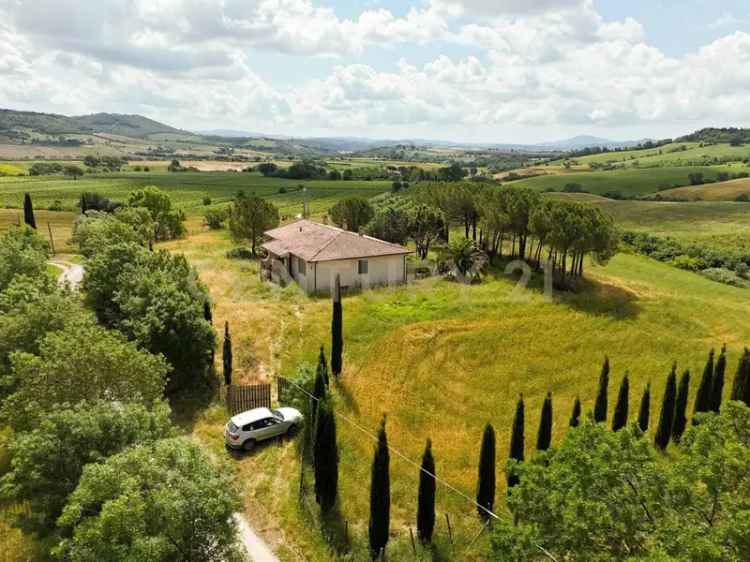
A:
441, 360
628, 181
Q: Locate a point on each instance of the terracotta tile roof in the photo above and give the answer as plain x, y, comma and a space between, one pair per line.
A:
315, 242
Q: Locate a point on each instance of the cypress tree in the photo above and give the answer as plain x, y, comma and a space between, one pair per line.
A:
380, 496
544, 436
326, 458
600, 408
620, 417
645, 410
426, 497
208, 317
666, 417
680, 414
319, 392
28, 211
486, 482
323, 365
517, 440
703, 396
717, 386
83, 205
741, 378
227, 355
337, 338
575, 417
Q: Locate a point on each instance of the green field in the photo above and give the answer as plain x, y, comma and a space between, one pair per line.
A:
187, 189
675, 154
629, 181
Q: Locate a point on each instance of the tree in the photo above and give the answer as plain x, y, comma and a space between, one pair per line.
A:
168, 223
426, 496
486, 478
48, 460
74, 172
227, 355
87, 363
337, 335
325, 457
22, 253
544, 436
680, 415
575, 417
741, 384
703, 396
620, 417
391, 225
97, 230
601, 496
717, 385
425, 227
250, 217
466, 259
352, 213
28, 211
323, 365
380, 496
268, 168
666, 417
600, 407
160, 502
645, 410
516, 443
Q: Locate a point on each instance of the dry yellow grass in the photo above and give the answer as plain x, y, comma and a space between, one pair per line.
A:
722, 191
61, 223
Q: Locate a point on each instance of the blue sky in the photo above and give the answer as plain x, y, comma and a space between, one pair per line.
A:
470, 70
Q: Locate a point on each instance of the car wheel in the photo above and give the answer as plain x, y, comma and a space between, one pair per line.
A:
249, 445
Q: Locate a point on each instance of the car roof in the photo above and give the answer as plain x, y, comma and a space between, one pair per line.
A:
251, 416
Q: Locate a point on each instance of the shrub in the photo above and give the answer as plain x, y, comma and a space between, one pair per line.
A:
214, 218
239, 254
688, 263
726, 276
206, 201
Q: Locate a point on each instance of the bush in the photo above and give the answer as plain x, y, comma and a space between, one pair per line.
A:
726, 276
56, 205
214, 218
688, 263
206, 201
239, 254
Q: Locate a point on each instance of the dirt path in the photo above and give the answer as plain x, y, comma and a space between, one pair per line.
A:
255, 547
72, 273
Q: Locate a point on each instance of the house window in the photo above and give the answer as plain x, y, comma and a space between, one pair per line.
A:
301, 266
362, 267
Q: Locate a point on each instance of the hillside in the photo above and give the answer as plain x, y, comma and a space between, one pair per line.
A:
135, 126
718, 135
733, 190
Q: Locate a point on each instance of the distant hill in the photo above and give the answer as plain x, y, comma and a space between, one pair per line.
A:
714, 135
587, 141
135, 126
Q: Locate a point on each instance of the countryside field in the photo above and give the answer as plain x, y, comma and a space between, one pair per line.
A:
441, 360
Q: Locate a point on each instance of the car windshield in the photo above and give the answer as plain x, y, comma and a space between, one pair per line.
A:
278, 415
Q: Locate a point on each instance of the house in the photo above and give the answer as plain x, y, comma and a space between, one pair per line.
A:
312, 254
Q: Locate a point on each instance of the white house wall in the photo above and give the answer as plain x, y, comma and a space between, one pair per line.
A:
382, 270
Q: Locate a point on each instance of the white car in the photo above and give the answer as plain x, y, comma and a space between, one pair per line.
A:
248, 428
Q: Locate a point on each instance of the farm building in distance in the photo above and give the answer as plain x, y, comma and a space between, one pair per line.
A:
312, 254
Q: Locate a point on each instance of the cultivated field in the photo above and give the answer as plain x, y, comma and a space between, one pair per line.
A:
723, 191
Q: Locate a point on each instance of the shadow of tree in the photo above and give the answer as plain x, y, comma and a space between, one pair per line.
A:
188, 404
335, 530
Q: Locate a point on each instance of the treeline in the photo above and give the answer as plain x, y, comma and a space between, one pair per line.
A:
93, 444
731, 268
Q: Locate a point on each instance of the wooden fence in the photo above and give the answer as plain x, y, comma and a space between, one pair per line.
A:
240, 398
283, 389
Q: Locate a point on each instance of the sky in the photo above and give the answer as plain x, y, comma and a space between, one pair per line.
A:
514, 71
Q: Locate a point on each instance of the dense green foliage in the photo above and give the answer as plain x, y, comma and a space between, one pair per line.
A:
544, 435
168, 222
600, 406
575, 416
703, 396
666, 415
517, 441
249, 217
606, 496
620, 416
22, 253
680, 415
325, 457
161, 502
337, 330
352, 213
48, 460
644, 412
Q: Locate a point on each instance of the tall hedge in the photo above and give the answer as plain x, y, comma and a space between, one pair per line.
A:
620, 417
380, 496
666, 417
426, 496
486, 480
600, 407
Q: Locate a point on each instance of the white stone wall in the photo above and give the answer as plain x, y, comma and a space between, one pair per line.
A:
382, 270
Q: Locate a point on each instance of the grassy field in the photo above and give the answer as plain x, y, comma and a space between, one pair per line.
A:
441, 360
675, 154
629, 181
186, 189
722, 191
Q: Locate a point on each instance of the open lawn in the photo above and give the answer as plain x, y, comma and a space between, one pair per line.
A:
630, 181
441, 360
